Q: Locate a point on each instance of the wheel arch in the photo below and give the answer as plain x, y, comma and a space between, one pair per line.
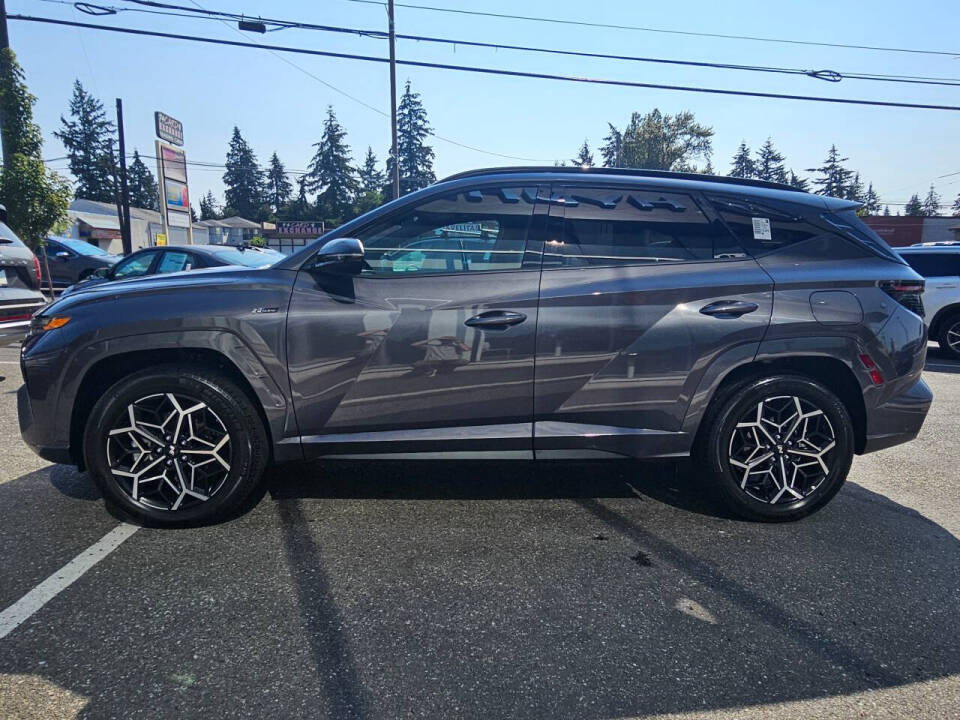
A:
831, 372
942, 314
128, 355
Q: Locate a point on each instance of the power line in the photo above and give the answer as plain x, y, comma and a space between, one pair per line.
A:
490, 71
280, 24
584, 23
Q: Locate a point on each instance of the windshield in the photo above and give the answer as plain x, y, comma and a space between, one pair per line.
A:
247, 258
81, 246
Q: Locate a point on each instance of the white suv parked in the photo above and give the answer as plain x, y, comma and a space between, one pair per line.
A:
940, 265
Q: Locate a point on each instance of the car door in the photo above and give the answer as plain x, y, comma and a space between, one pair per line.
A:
60, 260
642, 291
431, 346
941, 270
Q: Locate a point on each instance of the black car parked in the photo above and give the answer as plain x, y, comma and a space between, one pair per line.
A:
177, 258
71, 261
546, 313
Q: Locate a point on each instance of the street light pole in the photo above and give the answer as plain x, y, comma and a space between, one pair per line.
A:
125, 238
393, 102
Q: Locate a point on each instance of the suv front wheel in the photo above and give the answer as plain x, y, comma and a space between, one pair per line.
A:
779, 448
175, 445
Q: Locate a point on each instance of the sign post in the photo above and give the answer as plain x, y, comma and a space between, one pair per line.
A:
172, 176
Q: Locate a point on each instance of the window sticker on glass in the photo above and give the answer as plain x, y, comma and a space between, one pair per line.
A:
761, 229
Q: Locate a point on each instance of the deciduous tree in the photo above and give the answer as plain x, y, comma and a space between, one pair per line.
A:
36, 199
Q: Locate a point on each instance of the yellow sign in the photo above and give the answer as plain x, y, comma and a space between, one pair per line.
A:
161, 239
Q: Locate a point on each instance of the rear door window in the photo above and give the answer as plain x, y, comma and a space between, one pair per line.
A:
175, 261
621, 226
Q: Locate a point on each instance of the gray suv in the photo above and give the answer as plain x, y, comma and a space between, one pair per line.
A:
543, 313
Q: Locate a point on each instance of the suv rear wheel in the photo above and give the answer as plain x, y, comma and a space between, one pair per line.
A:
175, 445
779, 448
949, 337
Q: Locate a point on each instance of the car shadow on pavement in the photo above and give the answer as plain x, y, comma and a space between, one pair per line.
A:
940, 361
491, 590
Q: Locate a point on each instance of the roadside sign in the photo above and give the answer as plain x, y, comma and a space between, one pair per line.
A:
168, 128
172, 184
161, 239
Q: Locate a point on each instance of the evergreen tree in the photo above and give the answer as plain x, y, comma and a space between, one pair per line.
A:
956, 206
798, 182
872, 201
370, 189
855, 191
142, 185
612, 149
278, 189
193, 214
931, 203
89, 142
330, 173
36, 199
708, 168
208, 207
742, 165
416, 158
584, 157
886, 211
243, 180
371, 177
769, 164
914, 207
299, 208
834, 177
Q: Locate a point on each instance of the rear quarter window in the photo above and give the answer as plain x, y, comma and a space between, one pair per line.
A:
765, 226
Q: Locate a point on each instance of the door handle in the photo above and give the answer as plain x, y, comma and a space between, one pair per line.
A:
726, 309
495, 320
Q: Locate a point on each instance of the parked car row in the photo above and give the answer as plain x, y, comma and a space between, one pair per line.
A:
535, 313
76, 265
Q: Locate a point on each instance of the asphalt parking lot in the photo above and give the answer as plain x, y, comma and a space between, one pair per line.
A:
442, 589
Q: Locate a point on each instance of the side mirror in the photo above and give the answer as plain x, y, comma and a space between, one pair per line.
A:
63, 254
341, 255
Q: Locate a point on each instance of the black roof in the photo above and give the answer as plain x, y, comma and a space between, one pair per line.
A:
576, 170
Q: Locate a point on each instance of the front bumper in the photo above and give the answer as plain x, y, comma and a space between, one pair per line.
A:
899, 419
36, 436
13, 332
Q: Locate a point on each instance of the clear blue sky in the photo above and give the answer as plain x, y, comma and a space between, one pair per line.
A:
280, 108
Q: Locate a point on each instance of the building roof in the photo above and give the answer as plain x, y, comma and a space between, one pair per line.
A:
103, 208
99, 221
231, 222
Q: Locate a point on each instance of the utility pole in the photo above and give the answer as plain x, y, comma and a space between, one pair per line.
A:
393, 102
4, 44
124, 189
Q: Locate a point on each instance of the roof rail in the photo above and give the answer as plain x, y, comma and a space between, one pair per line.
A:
575, 170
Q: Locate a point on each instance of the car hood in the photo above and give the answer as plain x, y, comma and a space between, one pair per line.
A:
83, 293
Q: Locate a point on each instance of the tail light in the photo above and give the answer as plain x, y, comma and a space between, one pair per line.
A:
36, 270
872, 368
906, 292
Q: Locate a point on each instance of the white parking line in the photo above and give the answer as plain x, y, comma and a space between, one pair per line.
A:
43, 593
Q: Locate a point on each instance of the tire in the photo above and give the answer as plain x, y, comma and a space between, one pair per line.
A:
791, 482
949, 336
174, 446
